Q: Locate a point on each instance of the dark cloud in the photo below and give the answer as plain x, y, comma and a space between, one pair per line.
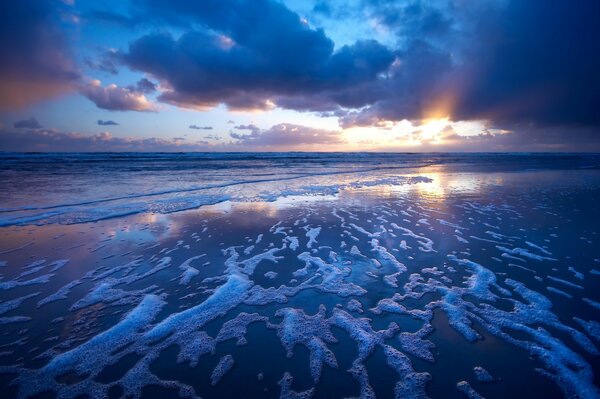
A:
34, 59
30, 123
540, 64
116, 98
510, 62
143, 86
107, 123
247, 53
196, 127
106, 61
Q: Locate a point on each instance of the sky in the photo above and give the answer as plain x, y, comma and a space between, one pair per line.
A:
299, 75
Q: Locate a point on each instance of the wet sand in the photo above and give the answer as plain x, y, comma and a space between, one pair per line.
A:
393, 288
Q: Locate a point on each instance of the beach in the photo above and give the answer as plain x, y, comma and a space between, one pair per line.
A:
300, 275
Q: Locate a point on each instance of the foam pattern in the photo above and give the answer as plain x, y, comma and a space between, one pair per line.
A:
317, 278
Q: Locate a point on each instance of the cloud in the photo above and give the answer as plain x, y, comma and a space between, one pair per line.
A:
116, 98
521, 66
539, 64
254, 130
196, 127
30, 123
287, 136
246, 54
107, 123
290, 137
279, 137
106, 61
48, 140
35, 60
143, 86
510, 62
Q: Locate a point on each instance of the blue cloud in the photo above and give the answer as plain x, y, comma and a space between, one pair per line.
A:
30, 123
514, 63
248, 54
107, 123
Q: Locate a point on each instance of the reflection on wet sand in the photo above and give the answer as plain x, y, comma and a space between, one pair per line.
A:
426, 283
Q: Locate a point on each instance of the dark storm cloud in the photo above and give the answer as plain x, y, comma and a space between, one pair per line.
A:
246, 53
509, 62
107, 123
541, 64
34, 59
30, 123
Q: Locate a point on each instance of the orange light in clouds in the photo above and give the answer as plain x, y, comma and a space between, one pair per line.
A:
403, 133
431, 130
440, 108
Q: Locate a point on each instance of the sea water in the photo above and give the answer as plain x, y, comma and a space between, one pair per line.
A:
300, 275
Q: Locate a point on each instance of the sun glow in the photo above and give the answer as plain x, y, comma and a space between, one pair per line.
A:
403, 133
411, 134
431, 131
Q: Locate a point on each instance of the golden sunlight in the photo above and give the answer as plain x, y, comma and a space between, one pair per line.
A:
412, 134
403, 133
431, 130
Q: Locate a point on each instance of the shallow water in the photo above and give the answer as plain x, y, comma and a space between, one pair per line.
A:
274, 276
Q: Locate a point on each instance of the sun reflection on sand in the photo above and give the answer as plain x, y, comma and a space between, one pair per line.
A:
269, 208
442, 184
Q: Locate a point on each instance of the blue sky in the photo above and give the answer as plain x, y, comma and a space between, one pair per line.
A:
381, 75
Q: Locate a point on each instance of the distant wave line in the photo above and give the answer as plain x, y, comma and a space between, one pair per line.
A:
174, 191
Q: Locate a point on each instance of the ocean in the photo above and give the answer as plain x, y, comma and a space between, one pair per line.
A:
297, 275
